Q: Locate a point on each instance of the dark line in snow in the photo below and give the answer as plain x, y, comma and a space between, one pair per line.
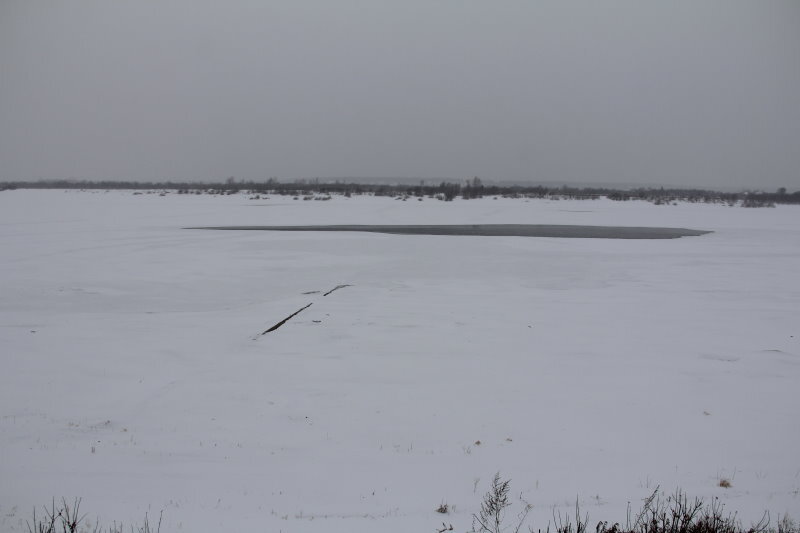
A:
336, 288
282, 322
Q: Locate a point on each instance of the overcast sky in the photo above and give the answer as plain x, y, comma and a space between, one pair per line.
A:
682, 93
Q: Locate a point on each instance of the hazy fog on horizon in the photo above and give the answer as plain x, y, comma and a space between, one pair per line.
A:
683, 93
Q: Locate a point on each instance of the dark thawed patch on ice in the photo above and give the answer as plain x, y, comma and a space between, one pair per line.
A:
493, 230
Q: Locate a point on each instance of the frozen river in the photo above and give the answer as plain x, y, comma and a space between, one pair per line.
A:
135, 376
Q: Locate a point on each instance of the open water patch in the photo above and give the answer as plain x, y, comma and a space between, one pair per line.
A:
492, 230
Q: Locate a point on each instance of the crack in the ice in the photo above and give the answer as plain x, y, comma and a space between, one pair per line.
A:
282, 322
336, 288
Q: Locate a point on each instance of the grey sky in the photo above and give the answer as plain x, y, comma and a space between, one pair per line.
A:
684, 93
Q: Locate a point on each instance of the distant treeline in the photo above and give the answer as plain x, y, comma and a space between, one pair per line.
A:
444, 190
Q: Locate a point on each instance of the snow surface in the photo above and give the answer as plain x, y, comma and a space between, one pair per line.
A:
134, 376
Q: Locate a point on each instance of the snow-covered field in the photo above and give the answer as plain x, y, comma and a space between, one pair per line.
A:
132, 374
